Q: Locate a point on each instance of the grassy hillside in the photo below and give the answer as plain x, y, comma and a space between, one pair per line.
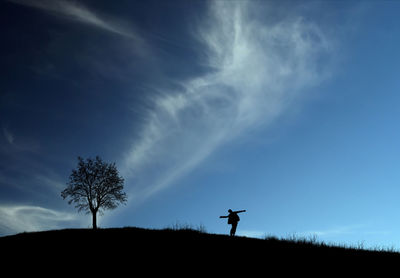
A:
134, 249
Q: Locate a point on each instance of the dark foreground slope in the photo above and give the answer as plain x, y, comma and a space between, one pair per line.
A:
182, 253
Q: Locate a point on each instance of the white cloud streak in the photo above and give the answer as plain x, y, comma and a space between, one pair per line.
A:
257, 71
25, 218
74, 11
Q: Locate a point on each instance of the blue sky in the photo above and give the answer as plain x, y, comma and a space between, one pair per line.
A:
285, 109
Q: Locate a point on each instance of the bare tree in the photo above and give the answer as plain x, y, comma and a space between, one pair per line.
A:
95, 186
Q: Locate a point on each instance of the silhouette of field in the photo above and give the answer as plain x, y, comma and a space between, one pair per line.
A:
118, 250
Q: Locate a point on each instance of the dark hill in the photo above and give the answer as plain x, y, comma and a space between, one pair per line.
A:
181, 252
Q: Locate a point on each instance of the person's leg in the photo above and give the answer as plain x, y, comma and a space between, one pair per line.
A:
233, 229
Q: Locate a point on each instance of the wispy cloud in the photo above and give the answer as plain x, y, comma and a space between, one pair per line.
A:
335, 231
257, 70
252, 233
13, 143
78, 12
20, 218
8, 136
351, 235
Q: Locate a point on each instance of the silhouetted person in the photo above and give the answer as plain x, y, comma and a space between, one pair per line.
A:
233, 219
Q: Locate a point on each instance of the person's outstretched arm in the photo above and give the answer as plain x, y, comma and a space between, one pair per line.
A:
223, 217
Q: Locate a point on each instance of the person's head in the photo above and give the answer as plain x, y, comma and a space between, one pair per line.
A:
229, 210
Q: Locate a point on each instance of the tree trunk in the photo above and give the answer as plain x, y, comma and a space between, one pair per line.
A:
94, 220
